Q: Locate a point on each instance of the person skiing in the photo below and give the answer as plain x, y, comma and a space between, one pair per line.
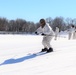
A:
71, 32
46, 31
74, 34
56, 33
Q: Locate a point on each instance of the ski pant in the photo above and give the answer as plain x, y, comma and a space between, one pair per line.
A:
74, 35
46, 41
56, 35
70, 35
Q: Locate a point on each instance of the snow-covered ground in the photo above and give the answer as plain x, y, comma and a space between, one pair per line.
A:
15, 57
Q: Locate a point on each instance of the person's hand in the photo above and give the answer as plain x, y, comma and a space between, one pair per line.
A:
36, 33
43, 34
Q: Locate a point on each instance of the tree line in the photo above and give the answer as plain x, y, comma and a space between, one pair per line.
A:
21, 25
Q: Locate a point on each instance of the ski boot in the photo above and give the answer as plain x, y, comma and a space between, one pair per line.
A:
50, 50
45, 49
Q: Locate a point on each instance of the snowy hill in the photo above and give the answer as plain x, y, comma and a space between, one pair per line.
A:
15, 57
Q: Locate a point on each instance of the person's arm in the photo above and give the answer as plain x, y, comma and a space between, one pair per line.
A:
38, 31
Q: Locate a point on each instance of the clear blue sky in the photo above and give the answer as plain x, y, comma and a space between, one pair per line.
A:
33, 10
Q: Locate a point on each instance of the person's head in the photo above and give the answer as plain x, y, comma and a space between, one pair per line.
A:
72, 26
42, 22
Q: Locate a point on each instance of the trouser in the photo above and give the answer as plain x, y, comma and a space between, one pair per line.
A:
74, 35
56, 34
70, 35
46, 41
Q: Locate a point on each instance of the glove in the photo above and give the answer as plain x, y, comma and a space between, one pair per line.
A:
36, 33
43, 34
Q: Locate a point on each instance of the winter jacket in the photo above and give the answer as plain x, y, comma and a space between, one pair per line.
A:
47, 30
71, 30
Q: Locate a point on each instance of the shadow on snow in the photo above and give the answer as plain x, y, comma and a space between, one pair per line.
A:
12, 60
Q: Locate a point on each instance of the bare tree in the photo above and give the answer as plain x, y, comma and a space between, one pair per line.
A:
20, 24
3, 24
12, 25
58, 22
49, 20
68, 21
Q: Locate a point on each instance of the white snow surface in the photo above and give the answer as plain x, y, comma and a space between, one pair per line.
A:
16, 56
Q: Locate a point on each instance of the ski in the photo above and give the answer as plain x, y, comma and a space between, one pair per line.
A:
39, 53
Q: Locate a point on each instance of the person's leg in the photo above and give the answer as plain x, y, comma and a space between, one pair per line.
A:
44, 44
73, 35
69, 37
55, 36
48, 40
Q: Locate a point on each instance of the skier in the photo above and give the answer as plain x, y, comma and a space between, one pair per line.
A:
71, 32
74, 34
56, 33
46, 31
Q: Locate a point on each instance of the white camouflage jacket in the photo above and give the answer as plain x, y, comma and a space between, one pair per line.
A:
45, 30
